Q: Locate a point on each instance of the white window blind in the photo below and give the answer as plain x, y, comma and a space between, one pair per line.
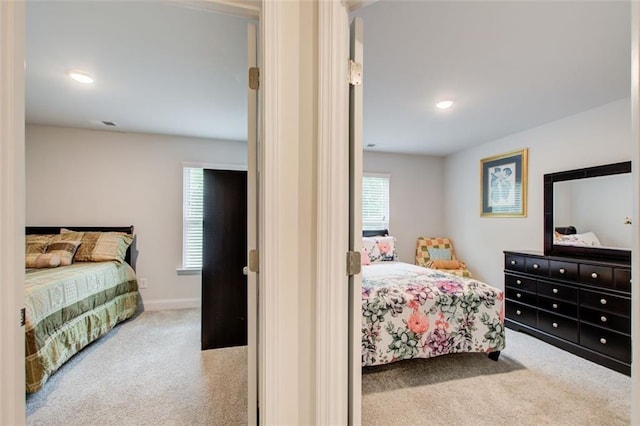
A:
193, 196
375, 202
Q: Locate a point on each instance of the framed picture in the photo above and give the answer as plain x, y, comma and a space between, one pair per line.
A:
503, 185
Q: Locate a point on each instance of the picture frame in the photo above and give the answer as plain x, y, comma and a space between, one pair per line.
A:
503, 185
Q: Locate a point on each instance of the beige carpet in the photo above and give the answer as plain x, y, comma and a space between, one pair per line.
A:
533, 383
150, 371
147, 371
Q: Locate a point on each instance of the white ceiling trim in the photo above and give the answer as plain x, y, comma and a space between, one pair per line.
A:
238, 8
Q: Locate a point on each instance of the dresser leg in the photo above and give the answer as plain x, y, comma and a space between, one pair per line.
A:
494, 355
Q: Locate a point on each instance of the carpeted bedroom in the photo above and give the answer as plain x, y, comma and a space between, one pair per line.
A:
162, 378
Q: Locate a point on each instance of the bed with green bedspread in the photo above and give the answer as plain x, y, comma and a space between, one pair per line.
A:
69, 307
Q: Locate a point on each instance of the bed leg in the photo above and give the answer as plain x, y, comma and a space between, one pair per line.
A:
494, 355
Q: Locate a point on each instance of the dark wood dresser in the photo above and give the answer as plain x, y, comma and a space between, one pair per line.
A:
580, 305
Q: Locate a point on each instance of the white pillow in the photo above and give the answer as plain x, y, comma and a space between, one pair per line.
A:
585, 239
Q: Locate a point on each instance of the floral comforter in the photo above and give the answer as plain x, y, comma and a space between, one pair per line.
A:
415, 312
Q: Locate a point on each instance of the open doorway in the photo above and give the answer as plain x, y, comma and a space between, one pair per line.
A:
510, 62
125, 159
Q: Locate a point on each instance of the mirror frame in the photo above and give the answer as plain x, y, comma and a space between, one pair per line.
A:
596, 253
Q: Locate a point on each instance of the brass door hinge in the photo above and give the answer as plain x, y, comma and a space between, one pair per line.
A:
254, 78
353, 263
355, 73
254, 261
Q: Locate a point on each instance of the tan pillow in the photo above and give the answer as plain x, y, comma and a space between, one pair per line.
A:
445, 264
100, 246
36, 243
65, 250
66, 235
46, 260
30, 259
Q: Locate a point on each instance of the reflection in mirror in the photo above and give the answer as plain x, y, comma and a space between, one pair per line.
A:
598, 207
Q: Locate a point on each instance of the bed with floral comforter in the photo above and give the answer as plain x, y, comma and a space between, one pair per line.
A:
415, 312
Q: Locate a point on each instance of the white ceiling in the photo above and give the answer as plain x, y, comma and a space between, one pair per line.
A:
169, 69
159, 67
509, 66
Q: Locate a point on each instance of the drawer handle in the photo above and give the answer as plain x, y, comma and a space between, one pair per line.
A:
555, 290
555, 325
555, 306
594, 275
603, 301
536, 266
603, 318
518, 312
603, 340
514, 262
518, 282
562, 270
518, 295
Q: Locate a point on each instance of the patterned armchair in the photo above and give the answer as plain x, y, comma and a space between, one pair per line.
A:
438, 253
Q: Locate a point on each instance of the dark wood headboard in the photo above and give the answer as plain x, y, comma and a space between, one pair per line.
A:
376, 233
566, 230
131, 255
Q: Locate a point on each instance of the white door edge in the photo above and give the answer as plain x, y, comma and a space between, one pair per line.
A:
332, 294
252, 232
12, 212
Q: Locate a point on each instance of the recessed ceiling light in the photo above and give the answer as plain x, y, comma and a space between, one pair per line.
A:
81, 77
444, 104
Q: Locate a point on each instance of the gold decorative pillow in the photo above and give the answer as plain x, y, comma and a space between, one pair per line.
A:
100, 246
64, 249
445, 264
45, 260
36, 243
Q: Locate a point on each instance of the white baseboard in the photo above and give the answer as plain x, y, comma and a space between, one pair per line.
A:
165, 304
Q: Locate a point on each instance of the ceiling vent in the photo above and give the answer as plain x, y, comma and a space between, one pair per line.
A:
109, 124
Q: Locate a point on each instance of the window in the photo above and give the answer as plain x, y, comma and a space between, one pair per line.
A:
193, 196
375, 201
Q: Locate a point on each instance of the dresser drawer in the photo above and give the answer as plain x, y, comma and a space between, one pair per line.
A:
558, 306
514, 263
622, 279
558, 291
606, 319
536, 266
605, 341
563, 270
525, 284
558, 326
521, 296
596, 275
606, 302
521, 313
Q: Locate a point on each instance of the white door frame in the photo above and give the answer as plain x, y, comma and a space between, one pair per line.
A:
252, 231
332, 390
635, 252
12, 212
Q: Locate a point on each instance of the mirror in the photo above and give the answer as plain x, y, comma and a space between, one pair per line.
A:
596, 203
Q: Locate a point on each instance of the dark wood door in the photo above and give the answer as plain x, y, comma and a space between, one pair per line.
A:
224, 254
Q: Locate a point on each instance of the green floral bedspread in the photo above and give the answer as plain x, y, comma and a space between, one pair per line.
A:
414, 312
69, 307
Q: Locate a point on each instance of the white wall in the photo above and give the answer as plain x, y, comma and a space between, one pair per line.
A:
86, 177
598, 136
416, 197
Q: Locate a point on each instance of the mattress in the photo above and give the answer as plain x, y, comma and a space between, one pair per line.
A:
413, 312
69, 307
